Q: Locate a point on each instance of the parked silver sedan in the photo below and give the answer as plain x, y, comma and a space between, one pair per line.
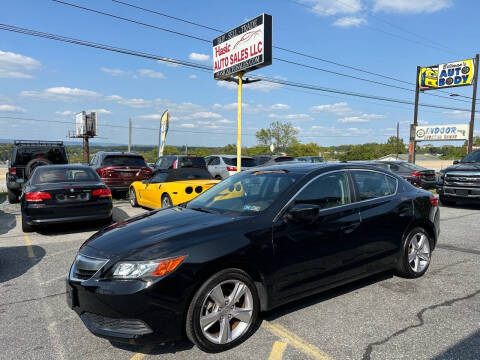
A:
223, 166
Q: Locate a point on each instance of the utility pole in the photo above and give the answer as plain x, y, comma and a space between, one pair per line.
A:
129, 134
474, 100
85, 128
398, 140
412, 144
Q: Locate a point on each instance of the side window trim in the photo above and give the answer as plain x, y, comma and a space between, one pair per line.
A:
282, 210
376, 198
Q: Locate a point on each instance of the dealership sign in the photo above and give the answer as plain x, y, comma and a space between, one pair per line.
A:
441, 132
458, 73
245, 48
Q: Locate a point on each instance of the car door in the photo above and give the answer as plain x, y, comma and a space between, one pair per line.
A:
313, 254
385, 215
150, 192
213, 167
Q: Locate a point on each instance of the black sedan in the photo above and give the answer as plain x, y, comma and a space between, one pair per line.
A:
64, 193
417, 175
253, 242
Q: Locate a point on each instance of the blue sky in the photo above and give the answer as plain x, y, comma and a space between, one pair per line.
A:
45, 79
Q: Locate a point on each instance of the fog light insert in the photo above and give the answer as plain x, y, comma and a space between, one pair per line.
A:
98, 323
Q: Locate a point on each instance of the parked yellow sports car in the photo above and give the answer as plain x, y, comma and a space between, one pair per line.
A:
170, 187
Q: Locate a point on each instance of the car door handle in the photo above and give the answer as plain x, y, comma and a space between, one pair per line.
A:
347, 229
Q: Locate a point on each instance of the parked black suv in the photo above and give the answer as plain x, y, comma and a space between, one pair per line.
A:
461, 180
26, 156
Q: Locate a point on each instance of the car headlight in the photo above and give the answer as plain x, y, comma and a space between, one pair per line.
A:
146, 269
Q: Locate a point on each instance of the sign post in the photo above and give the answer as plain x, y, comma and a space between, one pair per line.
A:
245, 48
412, 144
474, 100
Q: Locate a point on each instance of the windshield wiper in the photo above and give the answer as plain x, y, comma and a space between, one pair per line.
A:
202, 210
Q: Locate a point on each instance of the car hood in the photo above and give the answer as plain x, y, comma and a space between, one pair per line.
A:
167, 230
464, 167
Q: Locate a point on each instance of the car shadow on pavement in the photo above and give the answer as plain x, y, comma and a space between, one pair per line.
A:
466, 205
468, 348
7, 222
323, 296
15, 261
164, 348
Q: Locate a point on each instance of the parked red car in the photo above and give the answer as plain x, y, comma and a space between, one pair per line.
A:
119, 169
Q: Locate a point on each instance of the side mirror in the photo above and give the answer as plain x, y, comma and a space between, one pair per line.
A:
455, 162
302, 213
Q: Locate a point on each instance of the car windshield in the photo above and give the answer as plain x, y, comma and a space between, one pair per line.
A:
246, 193
317, 159
473, 157
413, 166
192, 161
121, 160
246, 162
48, 175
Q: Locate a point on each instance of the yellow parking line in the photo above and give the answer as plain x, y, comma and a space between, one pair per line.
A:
291, 339
277, 350
143, 351
29, 246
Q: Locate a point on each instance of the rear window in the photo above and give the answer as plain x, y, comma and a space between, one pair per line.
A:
283, 158
54, 155
46, 175
188, 174
414, 167
197, 162
246, 162
122, 160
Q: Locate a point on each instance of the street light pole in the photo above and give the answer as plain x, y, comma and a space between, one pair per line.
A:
474, 100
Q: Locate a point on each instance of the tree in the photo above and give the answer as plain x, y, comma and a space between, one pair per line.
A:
282, 134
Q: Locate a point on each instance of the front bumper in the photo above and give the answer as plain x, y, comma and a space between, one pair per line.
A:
459, 192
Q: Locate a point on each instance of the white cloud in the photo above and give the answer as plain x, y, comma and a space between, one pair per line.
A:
133, 102
151, 116
193, 76
61, 93
65, 113
115, 72
290, 116
102, 111
340, 108
206, 115
18, 66
187, 125
332, 7
202, 122
363, 118
225, 121
151, 74
280, 107
263, 86
349, 21
12, 108
411, 6
458, 114
199, 57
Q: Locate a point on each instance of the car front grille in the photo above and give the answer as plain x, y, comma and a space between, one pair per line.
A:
84, 267
97, 323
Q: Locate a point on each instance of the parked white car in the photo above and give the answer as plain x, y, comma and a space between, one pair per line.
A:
223, 166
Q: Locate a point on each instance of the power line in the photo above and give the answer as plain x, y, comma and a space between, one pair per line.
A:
302, 54
206, 68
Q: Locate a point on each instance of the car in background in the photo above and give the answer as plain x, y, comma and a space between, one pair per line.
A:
223, 166
461, 181
180, 161
119, 169
265, 160
64, 193
311, 159
416, 175
207, 268
26, 156
170, 187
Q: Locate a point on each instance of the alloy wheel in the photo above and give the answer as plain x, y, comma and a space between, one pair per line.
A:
419, 252
132, 197
226, 312
166, 202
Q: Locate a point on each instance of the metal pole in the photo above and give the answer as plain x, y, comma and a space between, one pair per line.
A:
239, 123
411, 146
398, 141
474, 100
129, 135
86, 150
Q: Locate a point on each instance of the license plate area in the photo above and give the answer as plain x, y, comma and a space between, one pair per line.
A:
462, 192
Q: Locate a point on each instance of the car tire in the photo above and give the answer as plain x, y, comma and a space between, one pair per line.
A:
33, 164
12, 196
26, 228
415, 254
166, 201
217, 303
444, 201
133, 197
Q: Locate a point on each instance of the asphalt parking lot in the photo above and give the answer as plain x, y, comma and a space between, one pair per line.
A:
385, 317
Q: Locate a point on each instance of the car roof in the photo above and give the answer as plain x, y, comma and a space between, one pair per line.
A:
64, 166
233, 156
306, 168
118, 153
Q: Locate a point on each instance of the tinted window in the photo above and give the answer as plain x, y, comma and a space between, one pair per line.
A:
45, 175
393, 167
317, 159
302, 159
283, 158
121, 160
326, 191
413, 167
165, 162
372, 185
246, 162
191, 162
246, 193
55, 155
472, 157
261, 160
159, 177
214, 161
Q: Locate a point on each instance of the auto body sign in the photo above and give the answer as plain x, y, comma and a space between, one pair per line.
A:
458, 73
245, 48
441, 132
